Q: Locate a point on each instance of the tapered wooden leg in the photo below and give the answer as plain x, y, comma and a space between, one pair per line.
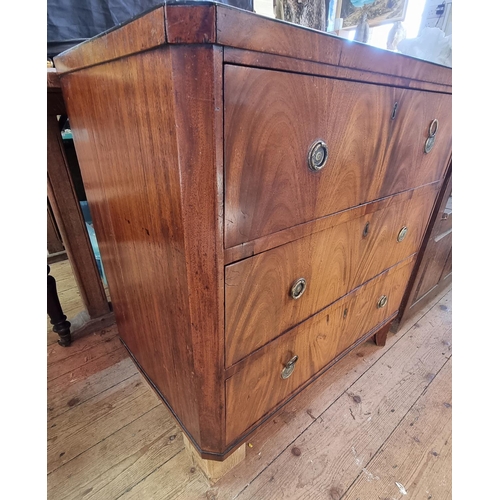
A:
55, 312
380, 337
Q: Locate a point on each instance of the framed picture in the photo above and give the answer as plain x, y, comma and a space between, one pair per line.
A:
377, 12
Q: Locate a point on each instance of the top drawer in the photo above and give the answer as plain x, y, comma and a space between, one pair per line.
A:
272, 120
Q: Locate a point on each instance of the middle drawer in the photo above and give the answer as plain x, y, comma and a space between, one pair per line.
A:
269, 293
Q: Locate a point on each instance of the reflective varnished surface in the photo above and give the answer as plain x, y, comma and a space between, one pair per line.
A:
194, 126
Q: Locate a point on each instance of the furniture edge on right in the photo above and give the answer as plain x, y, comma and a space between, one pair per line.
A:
433, 268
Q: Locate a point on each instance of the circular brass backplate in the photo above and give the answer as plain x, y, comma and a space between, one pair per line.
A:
289, 367
382, 302
298, 288
402, 233
317, 156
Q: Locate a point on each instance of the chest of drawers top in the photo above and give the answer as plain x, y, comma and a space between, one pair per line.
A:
199, 22
259, 193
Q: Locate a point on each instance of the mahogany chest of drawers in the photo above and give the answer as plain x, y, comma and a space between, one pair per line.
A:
259, 192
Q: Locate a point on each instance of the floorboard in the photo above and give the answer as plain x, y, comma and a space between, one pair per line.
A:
416, 459
326, 459
110, 437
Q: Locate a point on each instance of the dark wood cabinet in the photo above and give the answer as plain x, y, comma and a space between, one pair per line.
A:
432, 273
260, 193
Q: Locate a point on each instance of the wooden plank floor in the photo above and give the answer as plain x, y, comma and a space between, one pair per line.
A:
376, 426
68, 293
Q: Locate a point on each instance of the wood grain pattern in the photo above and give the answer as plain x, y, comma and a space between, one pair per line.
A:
67, 212
148, 435
306, 409
408, 165
418, 453
333, 262
447, 266
433, 266
54, 240
378, 61
143, 33
274, 37
268, 242
272, 61
67, 365
257, 388
112, 409
431, 271
152, 473
214, 470
221, 24
191, 163
268, 183
149, 248
190, 24
337, 448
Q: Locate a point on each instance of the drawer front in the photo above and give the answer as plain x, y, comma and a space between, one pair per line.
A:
258, 294
272, 120
258, 386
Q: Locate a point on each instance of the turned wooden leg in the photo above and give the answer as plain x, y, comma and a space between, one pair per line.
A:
55, 312
381, 336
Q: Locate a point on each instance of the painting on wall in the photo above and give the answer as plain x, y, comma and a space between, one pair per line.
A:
377, 12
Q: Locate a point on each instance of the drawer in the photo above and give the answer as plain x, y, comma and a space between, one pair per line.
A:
258, 300
272, 121
258, 387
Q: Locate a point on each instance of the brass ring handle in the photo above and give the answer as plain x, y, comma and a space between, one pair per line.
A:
289, 367
317, 156
298, 288
433, 128
382, 302
431, 139
402, 233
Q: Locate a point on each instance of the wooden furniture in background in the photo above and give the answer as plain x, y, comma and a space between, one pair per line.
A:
55, 246
432, 272
260, 203
55, 312
67, 213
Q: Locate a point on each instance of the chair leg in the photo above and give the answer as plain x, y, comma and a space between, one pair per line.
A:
55, 312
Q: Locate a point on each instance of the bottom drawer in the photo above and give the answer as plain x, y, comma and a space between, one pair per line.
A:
263, 380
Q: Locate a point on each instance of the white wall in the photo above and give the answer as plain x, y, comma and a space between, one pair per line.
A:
264, 7
432, 19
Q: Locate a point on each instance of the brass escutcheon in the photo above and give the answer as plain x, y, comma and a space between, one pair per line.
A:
402, 233
289, 367
317, 156
298, 288
382, 302
394, 110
